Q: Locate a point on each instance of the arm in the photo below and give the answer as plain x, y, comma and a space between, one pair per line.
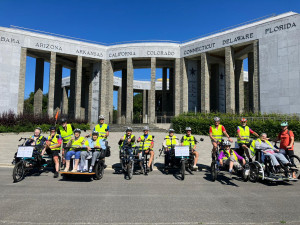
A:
239, 133
165, 143
210, 134
291, 142
229, 139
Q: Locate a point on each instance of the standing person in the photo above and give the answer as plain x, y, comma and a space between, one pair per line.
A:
75, 143
65, 130
286, 138
102, 128
190, 140
146, 144
243, 133
169, 144
216, 133
52, 147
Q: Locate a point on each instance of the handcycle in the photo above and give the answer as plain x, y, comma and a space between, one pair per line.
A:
242, 171
127, 159
143, 158
28, 159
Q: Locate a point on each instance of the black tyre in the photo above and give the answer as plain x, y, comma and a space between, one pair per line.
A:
99, 170
19, 171
182, 170
130, 170
296, 162
253, 173
213, 171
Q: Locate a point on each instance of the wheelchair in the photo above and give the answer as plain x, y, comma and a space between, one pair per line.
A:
264, 170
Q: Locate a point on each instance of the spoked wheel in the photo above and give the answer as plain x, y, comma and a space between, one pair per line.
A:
19, 171
213, 171
130, 169
182, 170
99, 170
253, 173
296, 162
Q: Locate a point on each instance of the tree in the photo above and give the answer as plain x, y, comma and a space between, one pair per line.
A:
28, 103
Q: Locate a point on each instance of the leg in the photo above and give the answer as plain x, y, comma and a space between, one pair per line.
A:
281, 158
151, 158
214, 149
56, 162
83, 156
196, 154
273, 159
77, 157
246, 150
96, 155
68, 158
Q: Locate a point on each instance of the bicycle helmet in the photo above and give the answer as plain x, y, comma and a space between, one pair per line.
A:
145, 128
171, 130
128, 129
284, 124
63, 120
243, 120
95, 133
77, 130
52, 128
101, 117
188, 129
38, 128
217, 119
227, 143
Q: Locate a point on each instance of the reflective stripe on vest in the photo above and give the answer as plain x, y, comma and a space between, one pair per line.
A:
66, 135
54, 141
217, 133
131, 136
187, 141
38, 140
170, 141
252, 146
77, 143
245, 133
227, 155
145, 144
101, 130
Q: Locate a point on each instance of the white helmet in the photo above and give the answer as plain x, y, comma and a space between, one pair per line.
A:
188, 128
227, 143
216, 119
101, 117
145, 128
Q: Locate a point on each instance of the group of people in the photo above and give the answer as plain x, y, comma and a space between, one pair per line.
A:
67, 137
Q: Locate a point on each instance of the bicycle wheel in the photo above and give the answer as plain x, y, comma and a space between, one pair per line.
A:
19, 171
296, 162
182, 169
253, 173
213, 171
99, 170
130, 170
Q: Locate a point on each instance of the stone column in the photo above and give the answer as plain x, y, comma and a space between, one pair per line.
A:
198, 85
124, 96
151, 96
22, 80
72, 94
65, 101
51, 84
78, 83
253, 64
102, 88
164, 90
110, 91
94, 92
38, 87
171, 90
184, 86
177, 88
119, 115
239, 86
57, 87
214, 88
144, 105
129, 98
229, 80
205, 89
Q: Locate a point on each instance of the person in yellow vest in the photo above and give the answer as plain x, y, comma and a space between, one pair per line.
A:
169, 144
229, 157
37, 139
127, 139
102, 128
65, 130
190, 140
243, 133
52, 147
146, 144
76, 143
216, 133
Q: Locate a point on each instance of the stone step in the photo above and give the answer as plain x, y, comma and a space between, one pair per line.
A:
135, 127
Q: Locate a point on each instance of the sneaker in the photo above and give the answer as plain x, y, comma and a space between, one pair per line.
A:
195, 167
74, 171
90, 170
66, 170
84, 171
55, 175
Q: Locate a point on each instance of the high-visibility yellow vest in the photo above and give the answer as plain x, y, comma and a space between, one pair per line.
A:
245, 133
38, 140
252, 146
132, 144
145, 144
66, 135
77, 143
54, 141
187, 141
170, 141
101, 130
217, 133
227, 155
97, 143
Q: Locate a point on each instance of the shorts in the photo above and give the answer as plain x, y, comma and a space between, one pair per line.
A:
55, 152
289, 152
235, 163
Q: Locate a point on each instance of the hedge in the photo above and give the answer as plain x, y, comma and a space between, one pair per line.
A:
200, 124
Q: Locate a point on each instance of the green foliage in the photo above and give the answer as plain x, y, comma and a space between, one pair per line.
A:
137, 107
270, 123
28, 103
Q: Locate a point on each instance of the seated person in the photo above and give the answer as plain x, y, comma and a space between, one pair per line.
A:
229, 157
76, 142
128, 140
268, 150
53, 145
190, 140
36, 139
94, 142
170, 142
146, 144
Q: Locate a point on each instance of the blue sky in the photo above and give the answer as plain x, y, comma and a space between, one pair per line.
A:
127, 20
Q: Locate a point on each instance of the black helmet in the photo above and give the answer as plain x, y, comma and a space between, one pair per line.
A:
63, 120
77, 130
95, 133
52, 128
38, 128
